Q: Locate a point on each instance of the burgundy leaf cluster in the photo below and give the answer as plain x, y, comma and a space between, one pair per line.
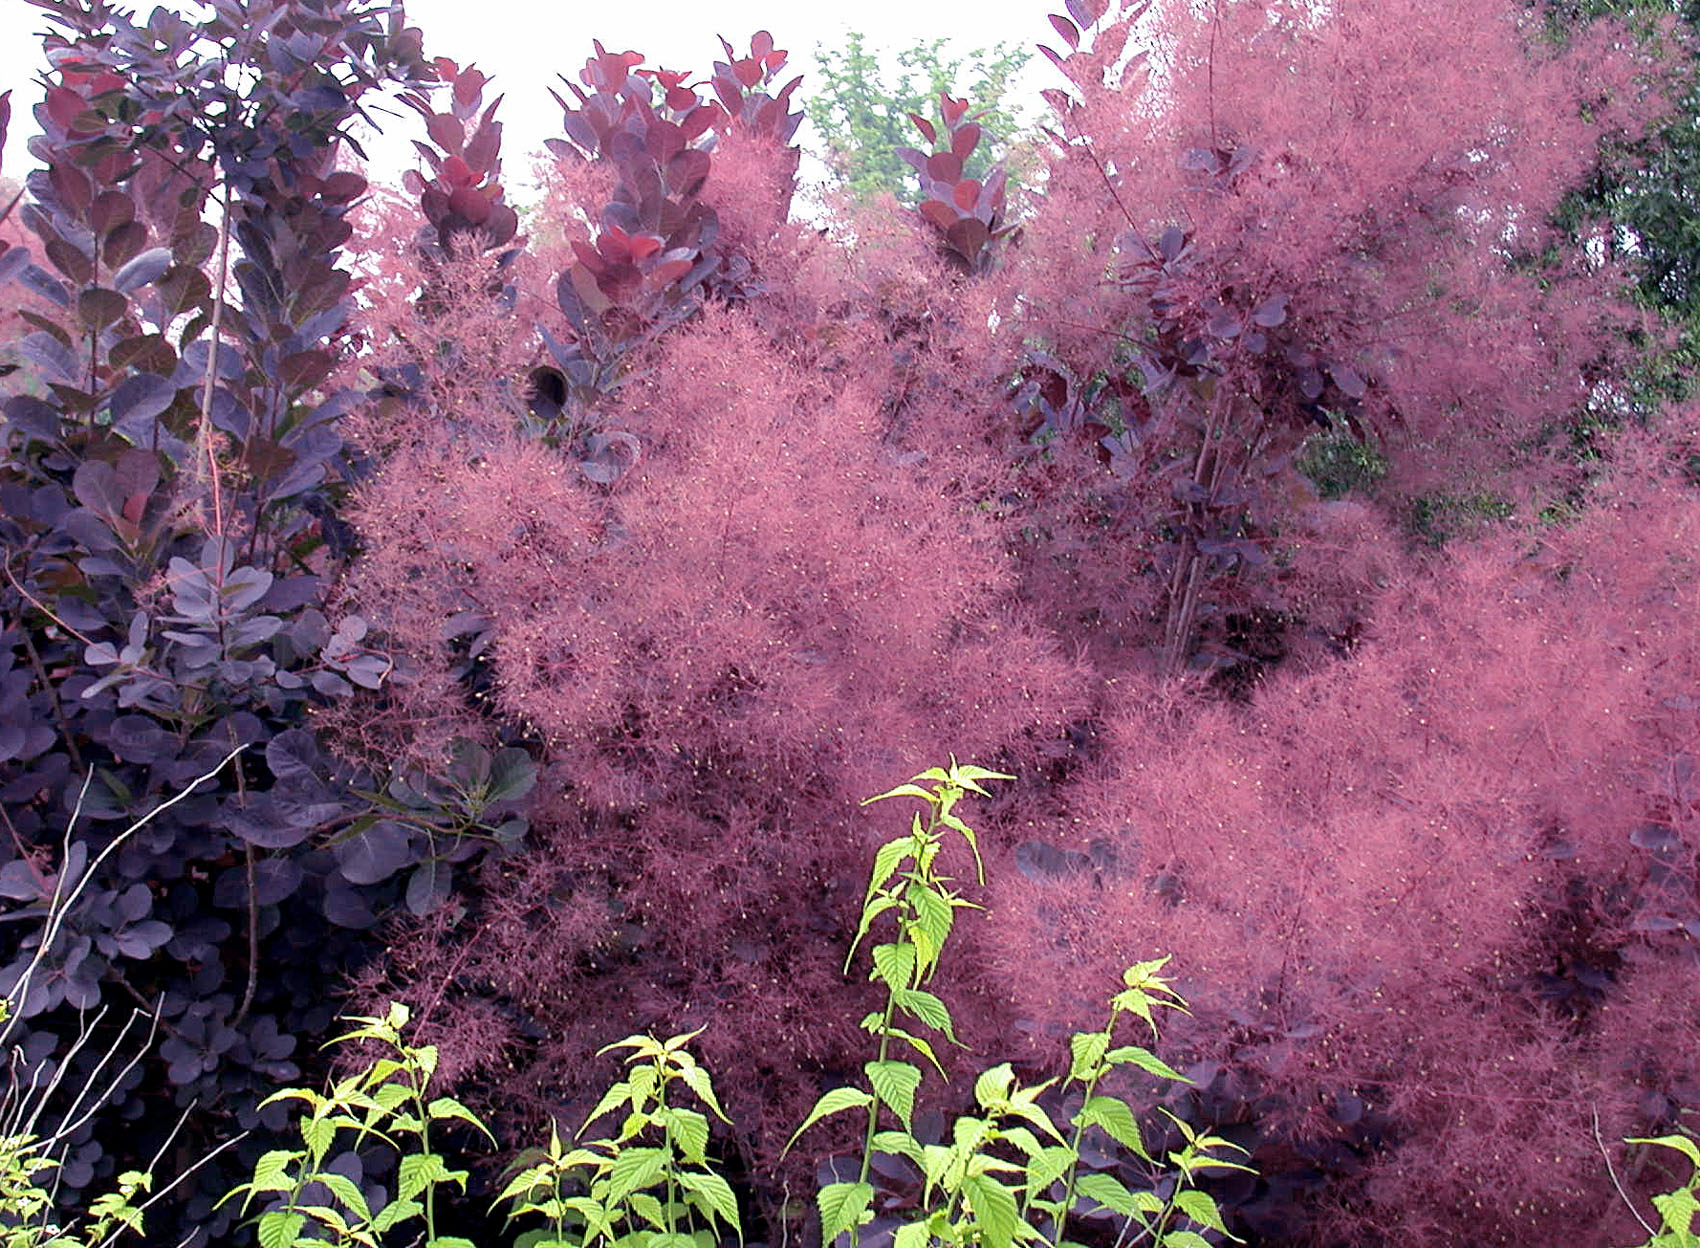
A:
464, 197
968, 213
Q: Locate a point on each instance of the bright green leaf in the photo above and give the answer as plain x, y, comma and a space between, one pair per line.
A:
993, 1085
715, 1196
894, 1083
1116, 1119
834, 1102
688, 1132
419, 1171
994, 1208
445, 1107
843, 1207
1106, 1190
1201, 1209
280, 1228
633, 1170
697, 1080
1146, 1060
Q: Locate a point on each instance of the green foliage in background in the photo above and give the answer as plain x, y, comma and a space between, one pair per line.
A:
861, 109
1006, 1175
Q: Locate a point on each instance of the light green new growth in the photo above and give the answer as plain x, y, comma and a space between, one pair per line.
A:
1678, 1207
622, 1189
28, 1218
386, 1101
1008, 1176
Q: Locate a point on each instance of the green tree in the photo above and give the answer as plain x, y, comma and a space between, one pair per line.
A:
1648, 191
861, 112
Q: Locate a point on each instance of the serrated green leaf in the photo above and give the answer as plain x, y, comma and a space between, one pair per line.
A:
907, 789
993, 1085
674, 1045
345, 1190
898, 1144
688, 1132
426, 1057
419, 1171
615, 1096
596, 1219
318, 1134
643, 1080
936, 1159
649, 1209
1105, 1190
915, 1042
395, 1213
697, 1080
1132, 1054
843, 1207
388, 1098
280, 1228
1047, 1166
927, 1008
1116, 1119
1681, 1143
450, 1241
1035, 1115
1022, 1139
834, 1102
446, 1107
912, 1235
969, 1134
995, 1210
633, 1170
1201, 1209
271, 1172
1086, 1050
934, 916
894, 1083
870, 911
714, 1197
887, 859
1185, 1239
968, 835
894, 965
641, 1047
1676, 1212
527, 1181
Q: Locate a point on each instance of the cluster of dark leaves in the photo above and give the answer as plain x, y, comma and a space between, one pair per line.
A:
654, 257
969, 213
169, 555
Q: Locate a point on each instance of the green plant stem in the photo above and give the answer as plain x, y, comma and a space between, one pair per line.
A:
1079, 1131
922, 841
419, 1106
874, 1106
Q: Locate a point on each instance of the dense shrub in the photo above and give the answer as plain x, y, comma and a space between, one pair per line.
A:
710, 521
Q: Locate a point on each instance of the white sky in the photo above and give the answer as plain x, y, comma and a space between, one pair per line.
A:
525, 43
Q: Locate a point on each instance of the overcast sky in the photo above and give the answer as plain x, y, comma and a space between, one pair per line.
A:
525, 43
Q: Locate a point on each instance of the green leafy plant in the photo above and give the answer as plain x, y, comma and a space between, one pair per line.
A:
315, 1202
623, 1189
1007, 1175
1677, 1207
28, 1162
35, 1127
862, 108
27, 1205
